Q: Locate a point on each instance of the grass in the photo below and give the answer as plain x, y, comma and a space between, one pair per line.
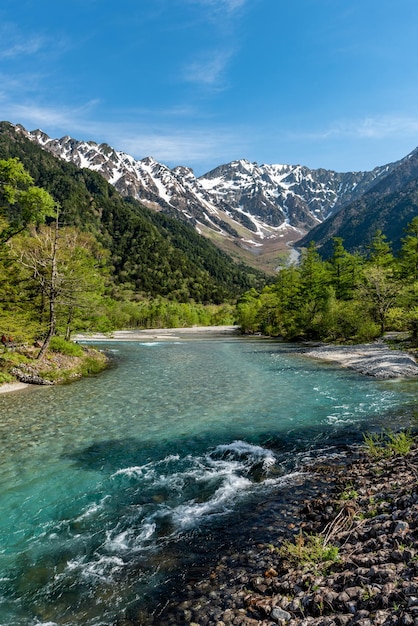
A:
310, 552
388, 443
92, 365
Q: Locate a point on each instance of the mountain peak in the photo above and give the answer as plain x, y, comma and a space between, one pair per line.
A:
149, 160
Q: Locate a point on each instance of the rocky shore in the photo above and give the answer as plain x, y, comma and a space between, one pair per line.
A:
366, 510
373, 359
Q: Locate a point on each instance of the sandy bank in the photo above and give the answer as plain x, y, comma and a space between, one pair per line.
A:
369, 359
6, 387
159, 333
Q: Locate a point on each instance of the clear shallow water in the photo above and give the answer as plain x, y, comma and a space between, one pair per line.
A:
105, 483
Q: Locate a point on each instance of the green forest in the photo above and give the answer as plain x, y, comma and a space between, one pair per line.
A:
345, 298
57, 278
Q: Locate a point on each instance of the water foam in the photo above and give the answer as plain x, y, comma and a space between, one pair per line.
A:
221, 503
177, 493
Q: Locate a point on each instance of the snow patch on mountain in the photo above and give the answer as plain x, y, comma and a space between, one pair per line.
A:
246, 202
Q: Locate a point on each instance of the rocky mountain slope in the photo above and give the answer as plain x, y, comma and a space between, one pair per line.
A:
252, 211
389, 206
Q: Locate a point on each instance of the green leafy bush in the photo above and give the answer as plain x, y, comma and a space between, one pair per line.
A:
5, 378
386, 444
310, 551
349, 493
58, 344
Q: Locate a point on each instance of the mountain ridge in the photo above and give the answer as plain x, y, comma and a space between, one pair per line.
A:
389, 206
259, 214
247, 209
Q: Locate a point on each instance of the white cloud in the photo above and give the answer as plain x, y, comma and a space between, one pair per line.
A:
235, 4
221, 5
22, 48
31, 114
378, 127
18, 85
195, 147
208, 70
14, 43
381, 127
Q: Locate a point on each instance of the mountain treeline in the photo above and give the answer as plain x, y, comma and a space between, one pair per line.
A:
349, 297
116, 263
77, 256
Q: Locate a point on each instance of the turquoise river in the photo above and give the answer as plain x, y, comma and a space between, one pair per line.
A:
110, 483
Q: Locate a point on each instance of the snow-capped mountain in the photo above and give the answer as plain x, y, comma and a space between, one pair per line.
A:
253, 206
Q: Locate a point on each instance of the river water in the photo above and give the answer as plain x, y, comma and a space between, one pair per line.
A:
106, 484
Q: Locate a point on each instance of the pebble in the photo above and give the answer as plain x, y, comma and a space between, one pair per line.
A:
280, 616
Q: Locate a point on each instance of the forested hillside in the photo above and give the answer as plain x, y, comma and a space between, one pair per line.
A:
150, 253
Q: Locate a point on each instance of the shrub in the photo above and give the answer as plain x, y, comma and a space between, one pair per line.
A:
58, 344
397, 319
386, 444
310, 551
6, 378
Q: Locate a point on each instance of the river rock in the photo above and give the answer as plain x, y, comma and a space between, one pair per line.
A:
280, 616
30, 378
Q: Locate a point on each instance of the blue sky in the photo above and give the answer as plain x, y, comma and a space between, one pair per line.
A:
323, 83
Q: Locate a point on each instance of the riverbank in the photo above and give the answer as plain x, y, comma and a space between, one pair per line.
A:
21, 365
367, 509
8, 387
374, 359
